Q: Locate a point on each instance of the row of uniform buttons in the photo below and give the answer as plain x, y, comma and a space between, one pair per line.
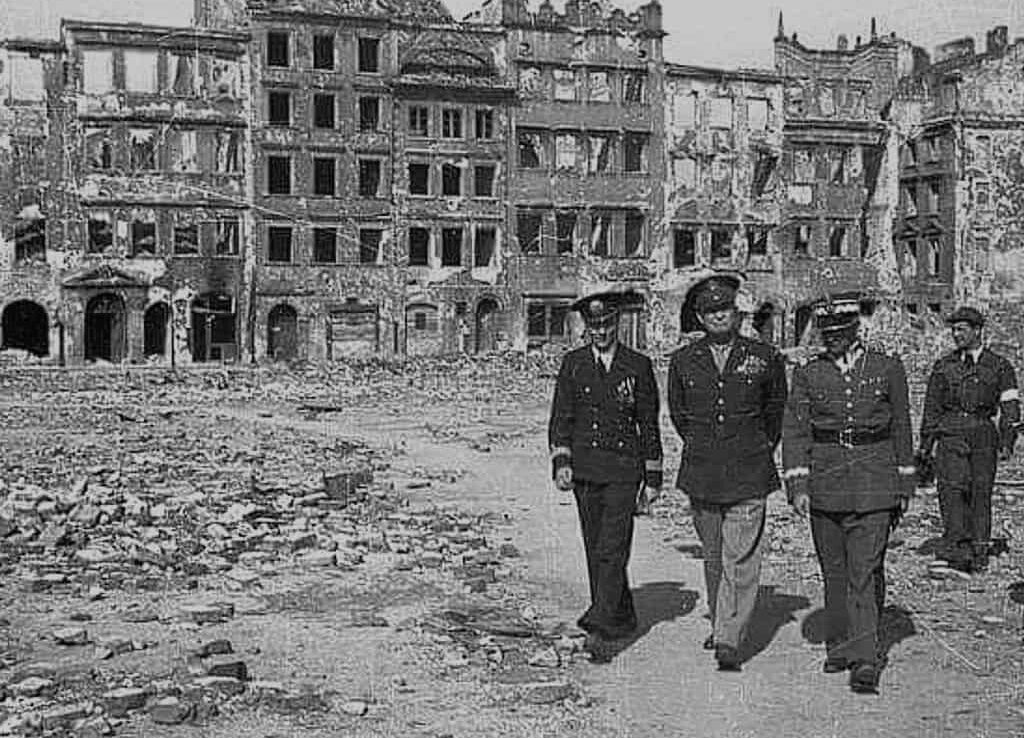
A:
849, 402
720, 402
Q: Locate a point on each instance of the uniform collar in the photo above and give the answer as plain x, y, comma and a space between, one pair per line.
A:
853, 355
605, 357
976, 353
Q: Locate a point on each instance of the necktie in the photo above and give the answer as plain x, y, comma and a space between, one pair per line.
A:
969, 360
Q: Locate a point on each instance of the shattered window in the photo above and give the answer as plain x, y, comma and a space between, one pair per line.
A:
566, 151
223, 78
837, 166
684, 171
419, 247
910, 258
757, 114
323, 51
634, 234
99, 149
369, 177
601, 154
186, 239
757, 241
557, 312
721, 244
934, 192
565, 84
369, 245
369, 113
601, 234
419, 120
419, 179
530, 81
934, 257
802, 239
279, 175
451, 180
29, 235
323, 176
279, 108
97, 71
277, 49
369, 55
565, 231
684, 110
279, 244
485, 124
24, 77
142, 142
226, 155
910, 199
684, 248
483, 180
451, 123
325, 245
101, 233
484, 240
837, 241
721, 112
531, 150
536, 320
528, 231
143, 237
600, 90
183, 74
764, 168
184, 150
635, 152
140, 71
323, 111
634, 86
451, 247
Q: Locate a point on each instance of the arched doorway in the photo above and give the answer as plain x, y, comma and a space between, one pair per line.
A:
486, 325
213, 327
25, 326
105, 326
282, 333
154, 329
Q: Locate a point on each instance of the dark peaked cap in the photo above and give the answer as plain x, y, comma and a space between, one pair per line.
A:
716, 294
967, 315
602, 306
839, 310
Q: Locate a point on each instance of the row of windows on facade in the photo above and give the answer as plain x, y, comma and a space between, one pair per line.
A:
691, 110
718, 174
424, 178
923, 257
579, 152
607, 233
449, 122
220, 237
169, 148
151, 71
718, 243
583, 84
831, 164
323, 53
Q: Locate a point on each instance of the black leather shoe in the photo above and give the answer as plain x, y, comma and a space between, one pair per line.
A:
864, 678
835, 665
728, 658
709, 643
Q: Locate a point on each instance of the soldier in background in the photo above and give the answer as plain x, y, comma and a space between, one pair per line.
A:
848, 453
606, 447
966, 389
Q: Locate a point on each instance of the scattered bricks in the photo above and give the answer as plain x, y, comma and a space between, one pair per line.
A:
221, 666
119, 702
215, 685
546, 693
508, 551
113, 646
356, 708
213, 648
547, 658
301, 539
71, 636
216, 612
318, 558
94, 556
65, 715
344, 485
312, 499
170, 711
33, 686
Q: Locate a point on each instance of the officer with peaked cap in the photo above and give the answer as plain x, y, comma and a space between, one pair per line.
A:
966, 389
727, 395
606, 447
848, 452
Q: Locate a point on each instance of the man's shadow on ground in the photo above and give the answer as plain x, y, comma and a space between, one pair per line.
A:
772, 610
894, 625
657, 602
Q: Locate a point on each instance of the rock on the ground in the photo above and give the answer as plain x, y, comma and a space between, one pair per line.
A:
71, 636
119, 702
169, 711
355, 707
546, 693
225, 666
32, 686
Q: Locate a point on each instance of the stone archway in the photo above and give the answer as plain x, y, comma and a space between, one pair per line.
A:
154, 329
26, 326
105, 328
486, 325
282, 333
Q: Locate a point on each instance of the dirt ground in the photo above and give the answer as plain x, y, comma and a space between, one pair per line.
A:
385, 555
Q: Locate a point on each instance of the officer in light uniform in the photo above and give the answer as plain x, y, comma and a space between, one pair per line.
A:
966, 389
848, 452
606, 447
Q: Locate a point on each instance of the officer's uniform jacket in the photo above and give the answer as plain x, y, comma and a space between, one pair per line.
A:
605, 424
848, 432
729, 421
960, 398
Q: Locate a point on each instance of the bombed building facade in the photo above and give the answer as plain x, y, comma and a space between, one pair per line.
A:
326, 179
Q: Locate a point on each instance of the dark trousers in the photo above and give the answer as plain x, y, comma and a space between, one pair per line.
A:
851, 552
606, 517
965, 470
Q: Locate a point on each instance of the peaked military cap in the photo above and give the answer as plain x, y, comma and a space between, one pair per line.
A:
601, 307
838, 310
967, 315
717, 294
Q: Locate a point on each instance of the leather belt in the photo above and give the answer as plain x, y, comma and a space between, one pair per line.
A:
850, 437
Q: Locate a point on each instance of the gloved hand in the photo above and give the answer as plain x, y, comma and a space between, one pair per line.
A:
563, 478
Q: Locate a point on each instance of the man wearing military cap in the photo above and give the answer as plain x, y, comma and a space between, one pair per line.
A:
966, 389
606, 447
727, 395
848, 453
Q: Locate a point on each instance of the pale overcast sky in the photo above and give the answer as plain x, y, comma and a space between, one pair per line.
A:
718, 33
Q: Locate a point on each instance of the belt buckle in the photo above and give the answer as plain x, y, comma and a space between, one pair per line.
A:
846, 438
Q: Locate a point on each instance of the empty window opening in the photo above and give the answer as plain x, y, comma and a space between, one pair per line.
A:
140, 71
934, 257
279, 108
757, 241
101, 233
600, 90
485, 124
684, 110
22, 79
323, 176
97, 71
183, 74
26, 327
279, 244
484, 240
531, 150
684, 172
323, 111
184, 150
323, 51
721, 244
565, 231
802, 240
277, 49
803, 165
837, 166
545, 319
757, 114
601, 234
451, 123
451, 180
186, 239
565, 84
29, 236
369, 113
934, 191
837, 241
528, 231
143, 238
99, 149
483, 180
566, 151
227, 149
601, 154
279, 175
764, 168
634, 87
451, 247
684, 248
419, 120
325, 245
226, 237
634, 236
419, 179
635, 153
369, 245
369, 178
721, 112
419, 247
142, 142
369, 55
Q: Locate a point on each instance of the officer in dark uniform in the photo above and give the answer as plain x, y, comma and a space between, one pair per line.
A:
966, 389
605, 444
727, 396
848, 452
